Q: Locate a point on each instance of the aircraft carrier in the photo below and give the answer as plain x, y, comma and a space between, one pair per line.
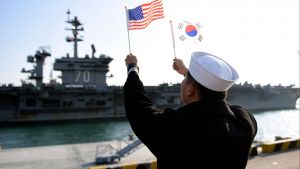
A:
84, 94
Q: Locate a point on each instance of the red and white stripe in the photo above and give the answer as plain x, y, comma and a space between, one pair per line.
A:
152, 11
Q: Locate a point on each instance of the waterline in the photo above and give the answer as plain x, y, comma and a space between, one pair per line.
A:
283, 123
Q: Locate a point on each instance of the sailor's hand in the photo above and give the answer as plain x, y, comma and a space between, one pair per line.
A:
179, 66
131, 59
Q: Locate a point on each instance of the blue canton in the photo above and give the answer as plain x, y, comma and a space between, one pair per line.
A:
136, 14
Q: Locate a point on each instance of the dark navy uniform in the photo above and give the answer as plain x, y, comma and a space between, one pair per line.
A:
204, 134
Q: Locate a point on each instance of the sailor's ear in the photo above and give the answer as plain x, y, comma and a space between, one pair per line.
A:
190, 89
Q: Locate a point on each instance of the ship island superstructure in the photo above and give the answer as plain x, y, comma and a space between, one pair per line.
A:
84, 93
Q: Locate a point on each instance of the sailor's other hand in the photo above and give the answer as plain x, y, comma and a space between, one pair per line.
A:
179, 66
131, 59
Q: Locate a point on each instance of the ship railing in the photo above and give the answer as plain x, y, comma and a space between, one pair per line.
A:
104, 149
105, 154
108, 154
130, 148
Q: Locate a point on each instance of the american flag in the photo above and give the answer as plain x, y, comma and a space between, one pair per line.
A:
141, 16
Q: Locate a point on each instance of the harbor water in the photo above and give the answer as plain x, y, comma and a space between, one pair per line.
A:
283, 123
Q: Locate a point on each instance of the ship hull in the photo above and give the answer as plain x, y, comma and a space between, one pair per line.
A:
64, 104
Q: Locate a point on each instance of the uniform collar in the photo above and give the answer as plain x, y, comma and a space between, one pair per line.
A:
208, 108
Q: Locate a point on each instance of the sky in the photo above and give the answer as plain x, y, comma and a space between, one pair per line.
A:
260, 38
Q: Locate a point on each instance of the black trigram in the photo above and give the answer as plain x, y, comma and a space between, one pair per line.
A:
181, 37
200, 38
180, 25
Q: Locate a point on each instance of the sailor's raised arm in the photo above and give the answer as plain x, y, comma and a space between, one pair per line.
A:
131, 63
143, 115
179, 66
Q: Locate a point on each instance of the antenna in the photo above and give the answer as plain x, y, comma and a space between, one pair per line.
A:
68, 13
76, 27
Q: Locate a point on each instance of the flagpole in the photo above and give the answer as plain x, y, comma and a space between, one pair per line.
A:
172, 31
127, 21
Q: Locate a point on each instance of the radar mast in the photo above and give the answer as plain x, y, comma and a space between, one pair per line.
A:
76, 27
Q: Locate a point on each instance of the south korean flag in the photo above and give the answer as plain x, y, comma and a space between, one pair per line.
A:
187, 31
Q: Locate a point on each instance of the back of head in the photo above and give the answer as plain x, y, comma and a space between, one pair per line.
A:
212, 72
213, 75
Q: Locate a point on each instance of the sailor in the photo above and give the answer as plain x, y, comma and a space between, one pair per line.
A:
205, 132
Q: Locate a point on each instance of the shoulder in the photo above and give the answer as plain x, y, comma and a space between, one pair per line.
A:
245, 116
239, 109
241, 112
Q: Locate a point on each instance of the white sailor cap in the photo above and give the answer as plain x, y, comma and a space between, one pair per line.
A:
212, 72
